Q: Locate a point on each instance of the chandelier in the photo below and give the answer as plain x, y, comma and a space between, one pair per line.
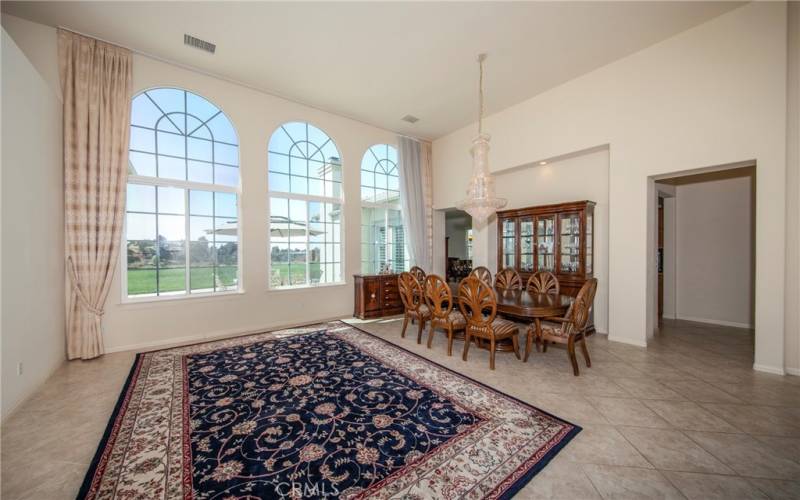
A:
481, 201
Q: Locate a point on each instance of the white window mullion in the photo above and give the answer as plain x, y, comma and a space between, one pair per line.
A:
186, 241
308, 246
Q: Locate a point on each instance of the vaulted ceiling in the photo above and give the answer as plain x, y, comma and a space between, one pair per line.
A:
377, 62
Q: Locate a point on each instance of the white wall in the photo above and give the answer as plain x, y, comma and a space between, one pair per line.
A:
714, 239
712, 95
255, 116
32, 298
792, 302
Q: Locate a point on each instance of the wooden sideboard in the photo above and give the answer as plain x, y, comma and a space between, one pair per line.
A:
376, 295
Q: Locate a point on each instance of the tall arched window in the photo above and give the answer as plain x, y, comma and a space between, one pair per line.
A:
305, 203
181, 228
382, 236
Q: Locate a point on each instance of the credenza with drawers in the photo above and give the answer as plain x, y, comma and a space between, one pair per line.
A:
376, 295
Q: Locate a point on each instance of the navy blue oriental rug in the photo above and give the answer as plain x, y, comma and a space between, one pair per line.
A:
326, 411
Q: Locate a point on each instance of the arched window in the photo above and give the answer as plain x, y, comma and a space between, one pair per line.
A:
382, 236
182, 230
305, 200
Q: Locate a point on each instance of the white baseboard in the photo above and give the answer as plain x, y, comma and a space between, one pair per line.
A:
627, 341
775, 370
717, 322
793, 371
207, 337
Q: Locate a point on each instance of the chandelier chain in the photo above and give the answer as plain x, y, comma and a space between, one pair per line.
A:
481, 57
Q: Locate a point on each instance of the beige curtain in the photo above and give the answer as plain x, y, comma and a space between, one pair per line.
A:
96, 85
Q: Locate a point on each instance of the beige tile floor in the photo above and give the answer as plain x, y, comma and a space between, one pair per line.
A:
685, 418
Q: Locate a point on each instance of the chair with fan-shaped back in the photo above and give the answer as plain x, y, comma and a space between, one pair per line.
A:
478, 304
572, 327
543, 282
439, 299
418, 273
508, 279
413, 298
483, 274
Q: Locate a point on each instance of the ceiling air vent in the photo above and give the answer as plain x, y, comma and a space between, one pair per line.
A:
410, 119
199, 44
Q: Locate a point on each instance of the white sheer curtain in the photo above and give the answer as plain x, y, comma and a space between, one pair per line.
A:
413, 201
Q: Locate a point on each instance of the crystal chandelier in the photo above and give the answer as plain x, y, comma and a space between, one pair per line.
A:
481, 201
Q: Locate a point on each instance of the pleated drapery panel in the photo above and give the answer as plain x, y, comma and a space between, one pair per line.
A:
96, 86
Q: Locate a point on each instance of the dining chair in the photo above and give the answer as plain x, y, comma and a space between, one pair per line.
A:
571, 329
414, 306
439, 299
418, 273
508, 279
543, 282
478, 304
483, 274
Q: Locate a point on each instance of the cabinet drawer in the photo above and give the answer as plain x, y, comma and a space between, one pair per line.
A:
389, 282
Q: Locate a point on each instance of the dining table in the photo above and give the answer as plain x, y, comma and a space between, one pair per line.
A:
523, 305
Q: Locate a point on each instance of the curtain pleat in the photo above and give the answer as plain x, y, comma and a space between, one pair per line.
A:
96, 87
412, 201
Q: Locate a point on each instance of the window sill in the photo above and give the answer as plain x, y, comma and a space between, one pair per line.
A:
306, 287
166, 299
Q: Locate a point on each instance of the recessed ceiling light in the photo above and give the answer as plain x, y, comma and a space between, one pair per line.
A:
410, 119
542, 163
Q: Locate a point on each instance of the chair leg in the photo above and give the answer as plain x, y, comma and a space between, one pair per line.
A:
467, 340
405, 324
528, 344
419, 330
515, 341
491, 354
450, 340
572, 358
585, 351
430, 335
544, 345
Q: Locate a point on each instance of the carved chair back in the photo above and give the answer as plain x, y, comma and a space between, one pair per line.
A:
438, 297
578, 314
543, 282
508, 279
483, 274
418, 273
475, 299
410, 292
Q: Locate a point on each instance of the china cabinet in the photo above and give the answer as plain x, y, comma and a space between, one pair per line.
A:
557, 238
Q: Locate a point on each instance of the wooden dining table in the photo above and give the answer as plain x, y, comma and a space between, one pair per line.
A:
525, 305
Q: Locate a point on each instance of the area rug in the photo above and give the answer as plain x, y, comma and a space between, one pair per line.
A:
325, 411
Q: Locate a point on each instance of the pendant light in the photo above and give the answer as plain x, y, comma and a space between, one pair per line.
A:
481, 201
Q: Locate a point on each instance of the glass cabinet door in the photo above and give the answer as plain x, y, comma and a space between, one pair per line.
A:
545, 242
569, 243
589, 242
509, 242
526, 244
